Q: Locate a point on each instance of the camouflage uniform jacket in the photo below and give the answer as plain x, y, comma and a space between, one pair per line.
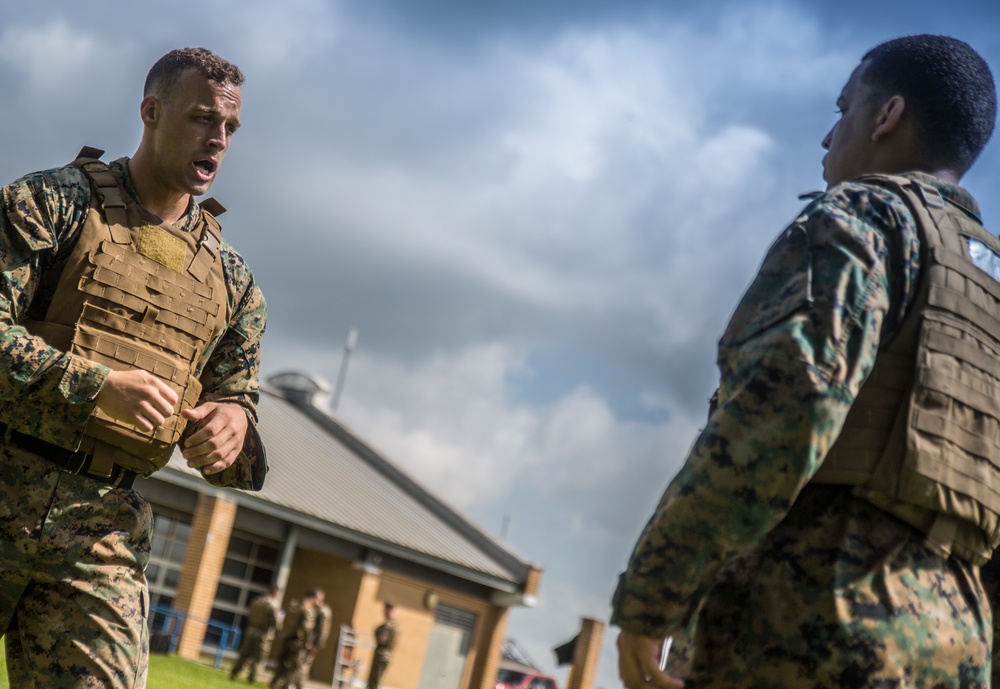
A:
385, 638
299, 622
833, 286
51, 394
263, 615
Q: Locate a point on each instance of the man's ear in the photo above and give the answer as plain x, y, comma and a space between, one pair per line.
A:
889, 117
149, 110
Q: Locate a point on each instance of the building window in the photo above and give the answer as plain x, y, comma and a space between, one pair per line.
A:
247, 572
170, 538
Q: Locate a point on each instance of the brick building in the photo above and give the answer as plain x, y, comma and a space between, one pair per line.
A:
337, 515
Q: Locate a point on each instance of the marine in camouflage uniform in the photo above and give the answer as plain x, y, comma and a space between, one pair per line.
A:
296, 630
385, 642
318, 638
262, 622
763, 577
74, 544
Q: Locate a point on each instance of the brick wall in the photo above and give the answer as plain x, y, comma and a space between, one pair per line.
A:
211, 528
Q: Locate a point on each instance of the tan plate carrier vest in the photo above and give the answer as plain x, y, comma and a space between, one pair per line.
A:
923, 441
137, 294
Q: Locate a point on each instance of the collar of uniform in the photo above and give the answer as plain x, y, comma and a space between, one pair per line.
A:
187, 222
951, 192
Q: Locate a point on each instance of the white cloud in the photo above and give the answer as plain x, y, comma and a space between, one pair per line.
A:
277, 38
55, 59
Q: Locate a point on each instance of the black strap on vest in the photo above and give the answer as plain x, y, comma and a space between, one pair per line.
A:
76, 463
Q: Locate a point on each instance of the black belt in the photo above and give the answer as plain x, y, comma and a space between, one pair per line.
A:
76, 463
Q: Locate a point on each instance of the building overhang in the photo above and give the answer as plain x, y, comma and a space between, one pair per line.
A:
505, 589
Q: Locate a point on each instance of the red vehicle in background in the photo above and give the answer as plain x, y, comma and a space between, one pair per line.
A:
516, 676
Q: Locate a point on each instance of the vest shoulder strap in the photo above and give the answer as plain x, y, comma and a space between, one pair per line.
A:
108, 194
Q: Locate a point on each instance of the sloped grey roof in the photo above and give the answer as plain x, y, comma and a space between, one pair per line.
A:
319, 468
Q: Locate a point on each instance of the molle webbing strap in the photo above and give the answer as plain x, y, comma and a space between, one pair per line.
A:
109, 193
155, 275
166, 315
108, 320
125, 352
976, 308
208, 247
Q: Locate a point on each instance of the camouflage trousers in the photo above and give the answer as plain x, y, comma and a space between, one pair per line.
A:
380, 661
304, 668
253, 648
841, 594
73, 598
289, 659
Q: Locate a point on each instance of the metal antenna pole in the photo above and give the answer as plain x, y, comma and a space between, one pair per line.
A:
352, 341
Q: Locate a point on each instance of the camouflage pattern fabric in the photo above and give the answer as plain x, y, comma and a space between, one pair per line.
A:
50, 394
990, 573
385, 641
253, 648
318, 637
296, 630
776, 590
262, 620
73, 597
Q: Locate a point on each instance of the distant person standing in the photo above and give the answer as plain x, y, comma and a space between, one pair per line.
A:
385, 641
318, 636
262, 622
295, 633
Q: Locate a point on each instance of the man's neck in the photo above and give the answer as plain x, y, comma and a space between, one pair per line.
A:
168, 207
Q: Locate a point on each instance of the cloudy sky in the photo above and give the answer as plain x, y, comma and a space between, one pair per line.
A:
538, 214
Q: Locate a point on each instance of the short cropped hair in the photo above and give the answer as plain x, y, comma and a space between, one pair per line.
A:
947, 86
166, 72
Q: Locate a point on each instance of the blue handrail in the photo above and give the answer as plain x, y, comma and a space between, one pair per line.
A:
166, 620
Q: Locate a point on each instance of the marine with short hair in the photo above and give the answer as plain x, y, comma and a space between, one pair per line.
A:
128, 326
829, 524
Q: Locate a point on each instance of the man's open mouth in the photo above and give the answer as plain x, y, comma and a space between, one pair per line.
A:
206, 166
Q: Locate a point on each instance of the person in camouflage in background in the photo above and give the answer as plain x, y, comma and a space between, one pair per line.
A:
296, 631
262, 622
385, 642
782, 562
319, 635
74, 535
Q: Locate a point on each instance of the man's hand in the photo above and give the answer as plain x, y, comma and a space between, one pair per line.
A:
639, 663
137, 397
218, 439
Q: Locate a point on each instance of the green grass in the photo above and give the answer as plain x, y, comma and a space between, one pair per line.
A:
171, 672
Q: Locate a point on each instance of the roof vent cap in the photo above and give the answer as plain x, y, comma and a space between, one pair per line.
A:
311, 389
